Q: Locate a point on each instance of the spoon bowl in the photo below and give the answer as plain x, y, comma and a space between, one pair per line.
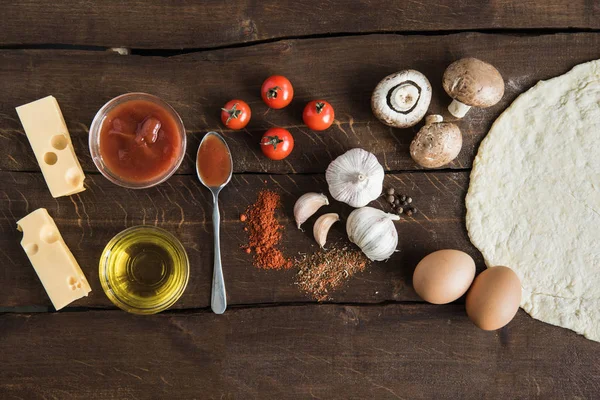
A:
209, 181
214, 167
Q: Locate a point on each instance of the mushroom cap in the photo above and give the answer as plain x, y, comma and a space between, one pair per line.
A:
401, 99
436, 144
473, 82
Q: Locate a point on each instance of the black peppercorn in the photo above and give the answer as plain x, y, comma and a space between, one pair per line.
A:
397, 202
403, 198
399, 210
409, 200
390, 191
390, 199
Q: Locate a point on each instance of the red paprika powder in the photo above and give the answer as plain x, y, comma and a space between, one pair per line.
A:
264, 232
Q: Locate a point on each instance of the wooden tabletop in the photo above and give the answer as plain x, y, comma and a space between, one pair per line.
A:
375, 339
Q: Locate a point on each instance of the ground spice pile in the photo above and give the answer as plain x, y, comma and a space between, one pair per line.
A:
264, 232
324, 271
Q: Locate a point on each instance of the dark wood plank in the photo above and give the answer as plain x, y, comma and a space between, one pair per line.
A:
325, 352
88, 220
345, 73
193, 24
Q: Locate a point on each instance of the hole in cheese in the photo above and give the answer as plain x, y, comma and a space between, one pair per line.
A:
31, 249
73, 177
59, 142
48, 234
50, 158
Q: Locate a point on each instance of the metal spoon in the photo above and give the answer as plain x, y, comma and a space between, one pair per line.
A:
218, 301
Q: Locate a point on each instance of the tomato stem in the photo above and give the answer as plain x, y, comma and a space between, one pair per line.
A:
272, 92
271, 141
320, 105
234, 113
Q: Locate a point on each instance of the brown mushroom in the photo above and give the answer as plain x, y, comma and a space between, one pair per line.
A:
437, 143
472, 83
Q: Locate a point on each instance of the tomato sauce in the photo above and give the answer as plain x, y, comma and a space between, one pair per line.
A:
140, 140
214, 164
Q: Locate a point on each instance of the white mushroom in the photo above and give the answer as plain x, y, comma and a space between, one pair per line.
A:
437, 143
401, 99
472, 83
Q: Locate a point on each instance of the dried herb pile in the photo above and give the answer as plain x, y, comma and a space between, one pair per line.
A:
324, 271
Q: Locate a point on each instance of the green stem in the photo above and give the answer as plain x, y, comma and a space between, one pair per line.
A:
320, 105
234, 113
272, 92
272, 141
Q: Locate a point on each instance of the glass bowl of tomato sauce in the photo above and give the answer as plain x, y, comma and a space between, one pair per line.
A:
137, 140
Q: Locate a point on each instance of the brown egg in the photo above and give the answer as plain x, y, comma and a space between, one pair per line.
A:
494, 298
443, 276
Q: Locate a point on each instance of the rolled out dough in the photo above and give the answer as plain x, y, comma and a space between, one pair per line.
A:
534, 198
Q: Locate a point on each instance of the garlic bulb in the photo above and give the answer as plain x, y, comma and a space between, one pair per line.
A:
307, 205
322, 226
355, 178
374, 232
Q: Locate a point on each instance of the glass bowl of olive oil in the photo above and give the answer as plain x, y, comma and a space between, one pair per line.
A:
144, 270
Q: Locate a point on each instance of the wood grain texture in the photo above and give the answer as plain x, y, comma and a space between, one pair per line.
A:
201, 24
183, 206
325, 352
345, 73
391, 346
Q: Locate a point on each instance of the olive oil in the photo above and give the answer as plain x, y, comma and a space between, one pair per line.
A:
144, 270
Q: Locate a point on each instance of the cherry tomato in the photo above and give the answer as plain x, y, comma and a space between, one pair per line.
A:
236, 114
277, 143
277, 91
318, 115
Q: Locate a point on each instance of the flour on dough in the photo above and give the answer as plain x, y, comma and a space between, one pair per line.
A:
534, 198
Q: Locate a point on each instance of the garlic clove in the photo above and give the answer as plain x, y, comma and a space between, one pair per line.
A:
307, 205
322, 226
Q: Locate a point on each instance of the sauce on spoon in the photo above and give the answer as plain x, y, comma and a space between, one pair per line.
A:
214, 165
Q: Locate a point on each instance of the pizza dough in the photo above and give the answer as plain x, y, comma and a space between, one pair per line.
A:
534, 198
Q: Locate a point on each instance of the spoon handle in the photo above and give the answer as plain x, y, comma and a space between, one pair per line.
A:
218, 301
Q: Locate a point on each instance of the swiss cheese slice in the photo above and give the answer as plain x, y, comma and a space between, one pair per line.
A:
51, 258
50, 140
